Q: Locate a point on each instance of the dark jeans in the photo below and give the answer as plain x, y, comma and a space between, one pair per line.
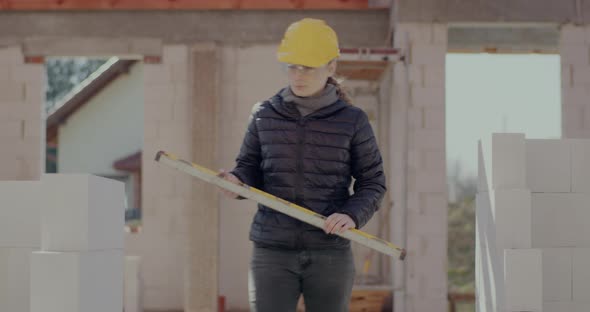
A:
277, 277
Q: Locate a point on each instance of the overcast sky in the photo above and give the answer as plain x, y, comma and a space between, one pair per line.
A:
489, 93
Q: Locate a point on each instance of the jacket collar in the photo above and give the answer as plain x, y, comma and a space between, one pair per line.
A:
289, 110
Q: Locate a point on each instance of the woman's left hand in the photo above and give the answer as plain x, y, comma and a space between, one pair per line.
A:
338, 223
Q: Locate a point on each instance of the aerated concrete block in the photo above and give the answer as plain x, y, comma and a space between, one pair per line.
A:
82, 213
77, 281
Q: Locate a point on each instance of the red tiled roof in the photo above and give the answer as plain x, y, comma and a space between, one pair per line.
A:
131, 163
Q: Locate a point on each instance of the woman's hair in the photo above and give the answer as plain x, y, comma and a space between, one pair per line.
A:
341, 92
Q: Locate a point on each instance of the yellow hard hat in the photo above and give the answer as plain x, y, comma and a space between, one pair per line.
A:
309, 42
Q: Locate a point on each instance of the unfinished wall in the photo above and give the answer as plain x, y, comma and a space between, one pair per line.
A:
166, 192
419, 177
22, 94
532, 224
574, 49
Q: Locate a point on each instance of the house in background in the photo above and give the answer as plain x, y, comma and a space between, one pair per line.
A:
98, 128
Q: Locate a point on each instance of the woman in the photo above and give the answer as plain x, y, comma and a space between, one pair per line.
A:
304, 145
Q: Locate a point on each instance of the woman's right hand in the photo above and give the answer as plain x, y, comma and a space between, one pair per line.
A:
231, 178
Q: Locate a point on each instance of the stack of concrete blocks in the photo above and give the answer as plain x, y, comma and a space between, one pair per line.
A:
533, 225
132, 291
80, 265
20, 235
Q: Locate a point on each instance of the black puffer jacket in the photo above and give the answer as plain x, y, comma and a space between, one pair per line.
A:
310, 161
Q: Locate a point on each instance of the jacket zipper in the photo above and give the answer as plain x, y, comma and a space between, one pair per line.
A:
300, 179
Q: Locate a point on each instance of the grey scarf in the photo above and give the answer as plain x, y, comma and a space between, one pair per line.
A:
308, 105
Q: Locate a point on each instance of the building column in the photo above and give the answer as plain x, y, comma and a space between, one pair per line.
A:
419, 169
22, 133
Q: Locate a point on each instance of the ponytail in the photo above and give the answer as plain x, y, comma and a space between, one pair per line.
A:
341, 92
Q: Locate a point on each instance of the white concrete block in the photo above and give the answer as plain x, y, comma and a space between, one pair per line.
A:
157, 74
179, 72
428, 97
146, 46
572, 116
567, 76
15, 279
427, 181
581, 74
434, 76
559, 306
576, 133
17, 111
415, 75
11, 55
82, 212
434, 118
415, 32
35, 94
175, 54
552, 217
491, 289
439, 34
508, 161
548, 165
482, 171
572, 34
432, 160
574, 54
511, 219
20, 215
427, 139
5, 72
416, 118
581, 275
560, 220
581, 306
580, 225
10, 129
33, 128
12, 92
523, 278
420, 304
77, 281
580, 152
160, 92
576, 97
503, 159
182, 105
29, 73
132, 286
428, 54
557, 268
155, 111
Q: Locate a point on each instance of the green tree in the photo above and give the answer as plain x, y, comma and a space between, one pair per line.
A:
63, 74
461, 246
